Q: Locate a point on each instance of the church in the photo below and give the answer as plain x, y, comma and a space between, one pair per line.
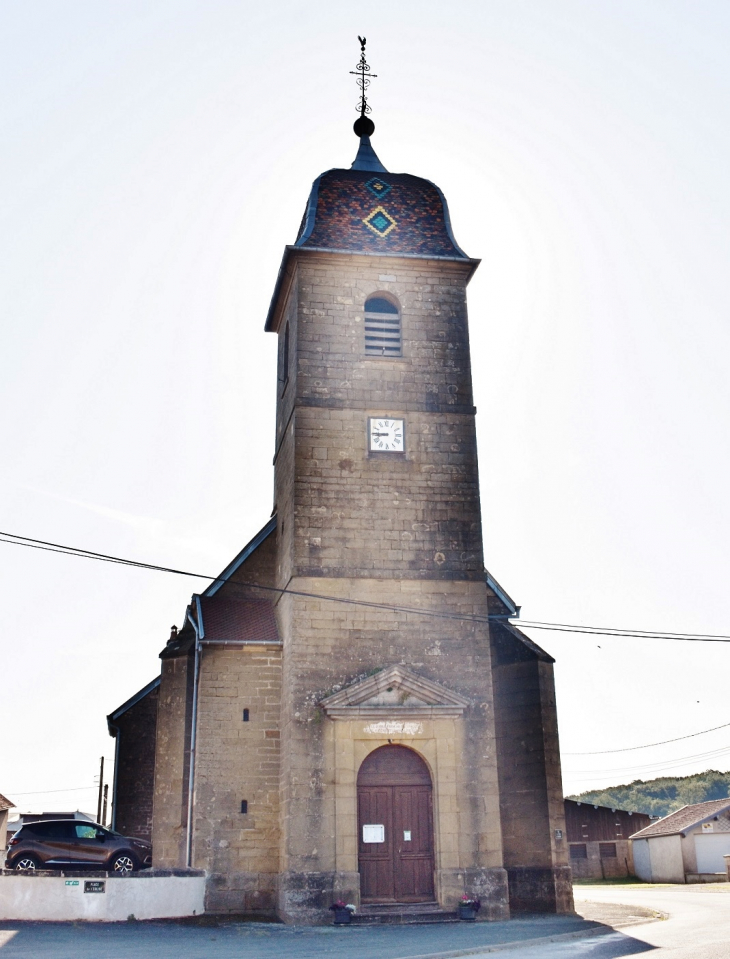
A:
347, 712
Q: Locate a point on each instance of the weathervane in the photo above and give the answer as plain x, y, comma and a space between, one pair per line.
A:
364, 126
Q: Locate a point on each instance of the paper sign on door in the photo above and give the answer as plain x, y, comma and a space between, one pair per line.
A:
406, 835
373, 833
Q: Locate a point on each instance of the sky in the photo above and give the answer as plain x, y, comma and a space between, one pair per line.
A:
156, 159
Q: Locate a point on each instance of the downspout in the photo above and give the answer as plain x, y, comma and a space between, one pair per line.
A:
117, 737
199, 633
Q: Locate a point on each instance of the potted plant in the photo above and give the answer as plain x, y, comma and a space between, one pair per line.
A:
469, 906
343, 912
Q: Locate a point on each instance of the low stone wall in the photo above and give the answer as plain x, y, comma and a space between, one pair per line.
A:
695, 877
100, 897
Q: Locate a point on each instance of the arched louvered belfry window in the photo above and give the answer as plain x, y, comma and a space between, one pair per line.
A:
382, 327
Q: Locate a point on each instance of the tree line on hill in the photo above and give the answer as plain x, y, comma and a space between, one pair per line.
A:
659, 797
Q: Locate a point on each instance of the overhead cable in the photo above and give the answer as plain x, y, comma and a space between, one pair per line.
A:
664, 742
17, 540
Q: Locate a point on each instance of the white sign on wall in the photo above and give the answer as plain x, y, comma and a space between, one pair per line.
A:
392, 727
707, 827
373, 833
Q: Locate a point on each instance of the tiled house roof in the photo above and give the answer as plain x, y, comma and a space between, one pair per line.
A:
5, 804
683, 819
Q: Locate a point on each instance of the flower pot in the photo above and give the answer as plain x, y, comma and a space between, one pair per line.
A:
468, 913
342, 916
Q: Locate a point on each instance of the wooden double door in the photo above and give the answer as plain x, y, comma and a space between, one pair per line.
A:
395, 827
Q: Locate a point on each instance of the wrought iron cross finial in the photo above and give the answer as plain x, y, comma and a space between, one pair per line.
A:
363, 74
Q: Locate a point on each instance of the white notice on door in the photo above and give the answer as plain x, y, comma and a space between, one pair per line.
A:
406, 835
373, 833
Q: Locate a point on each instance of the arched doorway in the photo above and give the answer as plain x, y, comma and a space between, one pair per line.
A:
395, 827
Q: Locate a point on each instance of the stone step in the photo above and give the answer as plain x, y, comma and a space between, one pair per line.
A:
402, 913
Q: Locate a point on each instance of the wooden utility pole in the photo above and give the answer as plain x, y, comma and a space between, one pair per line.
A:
101, 790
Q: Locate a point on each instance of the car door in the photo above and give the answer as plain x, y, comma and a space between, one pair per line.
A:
55, 842
90, 843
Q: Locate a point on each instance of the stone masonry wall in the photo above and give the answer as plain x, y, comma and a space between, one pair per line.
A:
238, 761
530, 788
595, 866
402, 529
330, 645
357, 513
172, 763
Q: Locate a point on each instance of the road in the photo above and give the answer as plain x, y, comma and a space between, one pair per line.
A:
698, 927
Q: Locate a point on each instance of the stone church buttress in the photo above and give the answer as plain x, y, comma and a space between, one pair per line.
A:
348, 712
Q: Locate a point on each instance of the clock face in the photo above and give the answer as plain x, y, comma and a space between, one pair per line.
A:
386, 435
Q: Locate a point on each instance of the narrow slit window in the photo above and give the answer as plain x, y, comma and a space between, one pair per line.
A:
382, 327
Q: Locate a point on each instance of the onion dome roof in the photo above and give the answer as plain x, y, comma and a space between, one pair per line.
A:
367, 210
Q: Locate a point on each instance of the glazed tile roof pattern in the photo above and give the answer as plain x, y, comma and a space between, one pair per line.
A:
683, 819
238, 620
394, 213
5, 803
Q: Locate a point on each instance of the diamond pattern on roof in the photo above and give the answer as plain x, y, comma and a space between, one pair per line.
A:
378, 187
380, 221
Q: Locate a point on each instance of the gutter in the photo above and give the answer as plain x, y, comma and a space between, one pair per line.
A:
117, 734
507, 601
239, 643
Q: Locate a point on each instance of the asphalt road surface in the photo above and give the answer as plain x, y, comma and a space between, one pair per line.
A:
697, 927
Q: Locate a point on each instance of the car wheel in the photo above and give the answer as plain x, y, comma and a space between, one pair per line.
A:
27, 864
123, 863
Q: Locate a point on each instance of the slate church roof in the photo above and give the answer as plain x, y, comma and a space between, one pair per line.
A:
231, 619
366, 209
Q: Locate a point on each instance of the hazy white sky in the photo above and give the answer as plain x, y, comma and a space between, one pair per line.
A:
156, 159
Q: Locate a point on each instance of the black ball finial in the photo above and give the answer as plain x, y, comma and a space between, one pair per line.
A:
363, 126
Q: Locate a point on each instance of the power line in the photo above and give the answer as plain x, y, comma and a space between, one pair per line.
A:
45, 792
664, 742
636, 633
17, 540
664, 764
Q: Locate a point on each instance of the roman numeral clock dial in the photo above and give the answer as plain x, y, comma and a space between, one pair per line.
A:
386, 435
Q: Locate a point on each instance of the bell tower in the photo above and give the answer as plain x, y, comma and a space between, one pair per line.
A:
379, 550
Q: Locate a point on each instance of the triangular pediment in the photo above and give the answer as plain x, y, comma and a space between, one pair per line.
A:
394, 691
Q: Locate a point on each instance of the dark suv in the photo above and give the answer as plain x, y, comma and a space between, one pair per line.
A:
75, 843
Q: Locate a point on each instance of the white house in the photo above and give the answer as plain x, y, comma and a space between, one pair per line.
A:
5, 807
686, 846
